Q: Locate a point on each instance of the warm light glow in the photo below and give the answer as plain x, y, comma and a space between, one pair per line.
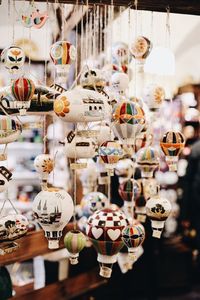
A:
161, 61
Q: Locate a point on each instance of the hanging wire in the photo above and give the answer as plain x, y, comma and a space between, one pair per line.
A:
135, 62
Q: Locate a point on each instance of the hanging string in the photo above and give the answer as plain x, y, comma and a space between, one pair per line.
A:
63, 22
13, 23
135, 62
46, 34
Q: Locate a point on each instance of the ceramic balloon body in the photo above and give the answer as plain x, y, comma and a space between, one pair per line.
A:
110, 153
5, 177
128, 120
120, 53
13, 59
79, 147
133, 236
93, 79
74, 242
92, 202
88, 177
119, 82
81, 105
147, 161
104, 132
158, 209
104, 230
141, 48
10, 130
23, 90
53, 209
172, 144
129, 190
125, 169
13, 227
154, 95
63, 54
44, 165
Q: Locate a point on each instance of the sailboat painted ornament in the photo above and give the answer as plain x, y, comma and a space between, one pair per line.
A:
44, 165
13, 59
119, 82
172, 144
81, 105
53, 209
158, 209
104, 230
13, 227
140, 48
128, 120
74, 242
23, 90
63, 54
147, 161
110, 152
5, 177
10, 130
133, 236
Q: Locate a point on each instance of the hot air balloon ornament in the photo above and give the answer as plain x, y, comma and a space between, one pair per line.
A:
5, 177
92, 202
172, 144
23, 90
44, 165
154, 95
140, 49
63, 54
158, 209
13, 59
147, 161
125, 169
32, 17
110, 153
133, 236
10, 131
104, 230
119, 83
74, 242
128, 120
120, 57
53, 209
129, 190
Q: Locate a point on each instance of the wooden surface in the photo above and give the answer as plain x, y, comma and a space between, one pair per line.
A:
66, 289
176, 6
31, 245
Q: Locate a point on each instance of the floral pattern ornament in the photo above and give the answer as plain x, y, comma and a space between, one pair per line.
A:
61, 106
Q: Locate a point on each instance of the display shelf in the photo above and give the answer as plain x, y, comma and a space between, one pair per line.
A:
31, 245
65, 289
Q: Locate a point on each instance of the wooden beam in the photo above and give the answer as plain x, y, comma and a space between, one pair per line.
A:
31, 245
66, 289
176, 6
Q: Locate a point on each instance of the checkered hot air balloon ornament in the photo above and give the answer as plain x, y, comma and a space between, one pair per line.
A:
104, 229
23, 90
147, 161
128, 120
63, 54
172, 144
74, 242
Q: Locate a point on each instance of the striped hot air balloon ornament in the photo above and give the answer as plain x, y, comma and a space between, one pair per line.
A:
172, 143
74, 242
133, 236
23, 90
148, 161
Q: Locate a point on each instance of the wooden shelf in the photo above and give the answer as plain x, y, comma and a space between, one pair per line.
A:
66, 289
31, 245
179, 6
